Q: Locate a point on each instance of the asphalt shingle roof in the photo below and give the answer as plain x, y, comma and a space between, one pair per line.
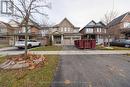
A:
118, 19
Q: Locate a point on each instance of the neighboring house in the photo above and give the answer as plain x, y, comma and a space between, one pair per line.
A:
6, 34
64, 33
120, 27
15, 25
34, 30
95, 31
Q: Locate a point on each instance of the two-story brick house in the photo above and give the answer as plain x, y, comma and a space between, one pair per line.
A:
95, 31
64, 33
120, 27
6, 33
33, 29
19, 30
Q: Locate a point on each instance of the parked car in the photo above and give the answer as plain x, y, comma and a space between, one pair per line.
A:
31, 43
121, 43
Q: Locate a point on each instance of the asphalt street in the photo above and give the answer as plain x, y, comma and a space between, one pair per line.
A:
93, 71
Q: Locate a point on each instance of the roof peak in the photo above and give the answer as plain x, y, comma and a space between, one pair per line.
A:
118, 19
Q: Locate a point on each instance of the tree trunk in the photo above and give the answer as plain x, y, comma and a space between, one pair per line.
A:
26, 40
108, 40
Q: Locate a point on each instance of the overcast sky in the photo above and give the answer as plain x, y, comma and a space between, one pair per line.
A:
80, 12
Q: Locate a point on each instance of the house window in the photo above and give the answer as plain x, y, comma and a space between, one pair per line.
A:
68, 29
89, 30
126, 25
65, 29
99, 30
105, 31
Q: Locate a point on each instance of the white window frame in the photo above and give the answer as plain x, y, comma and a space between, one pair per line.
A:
89, 30
126, 24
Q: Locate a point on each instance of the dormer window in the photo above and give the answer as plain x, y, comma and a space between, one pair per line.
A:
126, 24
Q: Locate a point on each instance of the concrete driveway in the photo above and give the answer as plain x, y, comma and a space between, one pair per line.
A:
93, 71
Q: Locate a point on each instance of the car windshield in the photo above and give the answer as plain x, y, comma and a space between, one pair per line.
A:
128, 41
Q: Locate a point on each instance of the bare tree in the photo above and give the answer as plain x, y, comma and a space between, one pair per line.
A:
108, 17
26, 10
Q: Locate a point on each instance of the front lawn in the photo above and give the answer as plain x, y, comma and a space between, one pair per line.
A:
4, 45
39, 77
47, 48
99, 47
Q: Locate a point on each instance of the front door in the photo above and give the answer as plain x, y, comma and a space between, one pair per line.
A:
57, 39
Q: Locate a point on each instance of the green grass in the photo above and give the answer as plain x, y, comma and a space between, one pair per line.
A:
2, 59
39, 77
111, 48
4, 45
47, 48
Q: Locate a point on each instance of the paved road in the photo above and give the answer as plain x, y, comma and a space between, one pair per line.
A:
93, 71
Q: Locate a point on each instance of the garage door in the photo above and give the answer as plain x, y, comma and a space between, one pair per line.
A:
67, 41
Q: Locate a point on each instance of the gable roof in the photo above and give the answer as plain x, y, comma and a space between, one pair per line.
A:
118, 19
14, 23
93, 24
31, 23
8, 26
90, 24
65, 19
100, 24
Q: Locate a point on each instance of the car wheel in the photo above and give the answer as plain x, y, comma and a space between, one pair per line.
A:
20, 48
39, 45
29, 46
127, 46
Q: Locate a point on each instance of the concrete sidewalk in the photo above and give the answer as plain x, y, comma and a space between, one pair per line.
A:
89, 52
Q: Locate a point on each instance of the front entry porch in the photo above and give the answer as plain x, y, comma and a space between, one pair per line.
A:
57, 39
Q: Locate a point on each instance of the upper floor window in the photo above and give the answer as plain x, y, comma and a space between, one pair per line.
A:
68, 29
126, 24
99, 30
90, 30
65, 29
105, 31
